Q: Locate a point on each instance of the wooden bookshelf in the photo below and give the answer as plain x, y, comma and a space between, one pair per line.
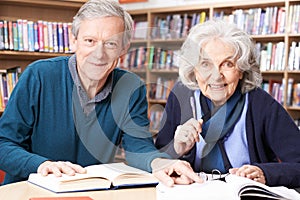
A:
226, 8
64, 10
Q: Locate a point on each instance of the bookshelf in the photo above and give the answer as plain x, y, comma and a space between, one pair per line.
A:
278, 39
146, 20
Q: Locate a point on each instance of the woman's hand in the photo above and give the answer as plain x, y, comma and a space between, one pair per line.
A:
60, 167
251, 172
187, 135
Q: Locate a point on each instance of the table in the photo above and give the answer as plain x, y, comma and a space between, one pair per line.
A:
24, 190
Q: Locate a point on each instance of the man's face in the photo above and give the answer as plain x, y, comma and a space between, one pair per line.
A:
98, 47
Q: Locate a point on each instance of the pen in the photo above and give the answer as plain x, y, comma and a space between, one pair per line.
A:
205, 117
193, 106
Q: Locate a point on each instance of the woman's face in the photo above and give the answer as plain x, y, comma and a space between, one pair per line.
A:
216, 73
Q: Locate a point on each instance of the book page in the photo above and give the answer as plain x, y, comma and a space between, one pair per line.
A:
121, 174
248, 187
65, 183
212, 190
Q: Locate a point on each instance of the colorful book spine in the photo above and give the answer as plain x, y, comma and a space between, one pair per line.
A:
25, 35
5, 31
10, 35
41, 35
15, 35
36, 36
66, 37
55, 38
60, 37
20, 34
50, 36
46, 38
1, 34
30, 36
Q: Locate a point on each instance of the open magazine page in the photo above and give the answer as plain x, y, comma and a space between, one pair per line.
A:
247, 187
232, 188
210, 190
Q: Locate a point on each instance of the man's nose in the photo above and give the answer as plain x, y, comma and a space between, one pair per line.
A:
100, 50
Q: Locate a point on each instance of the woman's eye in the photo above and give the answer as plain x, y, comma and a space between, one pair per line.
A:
205, 65
227, 65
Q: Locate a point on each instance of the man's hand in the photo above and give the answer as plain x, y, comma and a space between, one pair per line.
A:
58, 168
171, 172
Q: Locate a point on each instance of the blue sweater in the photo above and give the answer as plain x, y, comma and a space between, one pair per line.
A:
43, 121
273, 137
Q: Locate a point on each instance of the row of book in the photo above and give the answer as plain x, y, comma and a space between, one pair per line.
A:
276, 89
176, 26
155, 116
8, 80
161, 89
135, 58
159, 58
40, 36
272, 56
257, 21
263, 21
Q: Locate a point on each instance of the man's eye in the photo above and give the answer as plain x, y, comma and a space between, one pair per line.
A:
111, 45
89, 41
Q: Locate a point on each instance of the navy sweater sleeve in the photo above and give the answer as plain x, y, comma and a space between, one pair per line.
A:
273, 140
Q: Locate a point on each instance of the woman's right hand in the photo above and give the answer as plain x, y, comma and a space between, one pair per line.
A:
187, 135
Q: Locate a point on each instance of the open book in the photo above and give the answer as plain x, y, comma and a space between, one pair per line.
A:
231, 187
98, 177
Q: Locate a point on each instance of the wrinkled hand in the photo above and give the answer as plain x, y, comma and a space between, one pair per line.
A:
171, 172
251, 172
187, 135
58, 168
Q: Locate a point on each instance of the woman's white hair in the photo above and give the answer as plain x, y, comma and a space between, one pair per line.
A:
245, 52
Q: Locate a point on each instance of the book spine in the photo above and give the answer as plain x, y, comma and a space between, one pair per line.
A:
25, 35
41, 35
46, 38
20, 34
10, 35
30, 36
60, 36
1, 34
55, 38
5, 31
15, 35
50, 36
36, 36
66, 38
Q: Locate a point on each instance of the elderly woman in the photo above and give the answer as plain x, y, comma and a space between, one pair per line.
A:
218, 117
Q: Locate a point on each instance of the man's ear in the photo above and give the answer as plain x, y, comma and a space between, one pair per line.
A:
73, 43
125, 49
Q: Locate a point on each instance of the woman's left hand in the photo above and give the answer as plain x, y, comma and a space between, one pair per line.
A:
251, 172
